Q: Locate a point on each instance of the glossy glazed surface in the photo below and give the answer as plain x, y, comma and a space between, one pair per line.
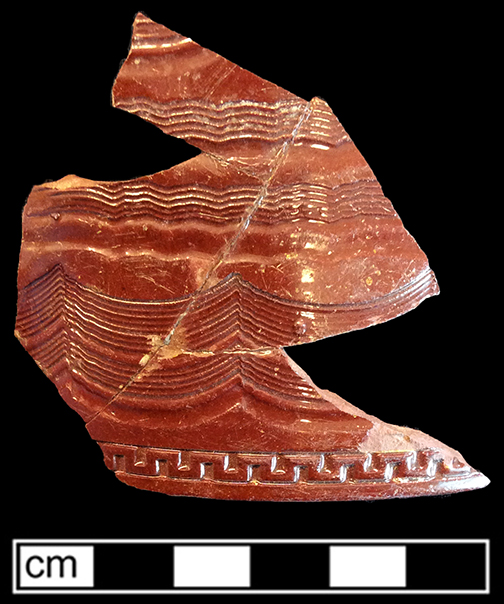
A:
159, 306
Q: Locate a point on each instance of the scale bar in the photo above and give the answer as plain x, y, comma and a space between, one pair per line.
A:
259, 566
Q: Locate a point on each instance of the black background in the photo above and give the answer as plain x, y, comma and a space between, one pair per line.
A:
412, 89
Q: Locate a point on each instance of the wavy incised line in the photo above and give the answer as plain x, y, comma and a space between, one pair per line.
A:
115, 191
188, 130
271, 112
231, 243
302, 200
186, 118
210, 127
272, 213
227, 248
159, 195
227, 116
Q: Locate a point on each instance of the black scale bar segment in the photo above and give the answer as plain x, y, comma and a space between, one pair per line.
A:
289, 566
445, 566
133, 566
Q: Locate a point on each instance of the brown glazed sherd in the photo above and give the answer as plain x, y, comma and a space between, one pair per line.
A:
160, 306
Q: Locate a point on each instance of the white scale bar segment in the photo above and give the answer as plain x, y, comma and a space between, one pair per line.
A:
367, 566
211, 566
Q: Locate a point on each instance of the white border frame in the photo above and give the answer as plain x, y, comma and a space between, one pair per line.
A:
247, 590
